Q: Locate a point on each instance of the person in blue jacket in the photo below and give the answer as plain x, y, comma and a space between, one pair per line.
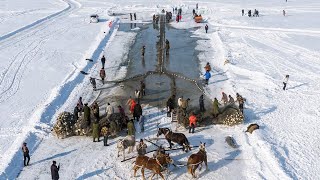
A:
207, 75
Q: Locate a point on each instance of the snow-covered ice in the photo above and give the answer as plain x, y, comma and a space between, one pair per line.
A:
44, 45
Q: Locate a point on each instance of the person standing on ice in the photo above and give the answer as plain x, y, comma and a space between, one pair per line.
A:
167, 46
192, 122
86, 114
93, 83
130, 17
141, 123
242, 12
135, 16
141, 148
102, 74
55, 171
241, 101
206, 28
201, 103
109, 110
143, 49
224, 98
207, 76
142, 88
26, 156
103, 61
285, 82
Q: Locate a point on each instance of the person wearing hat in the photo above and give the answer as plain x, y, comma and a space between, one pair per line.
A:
55, 171
141, 148
26, 156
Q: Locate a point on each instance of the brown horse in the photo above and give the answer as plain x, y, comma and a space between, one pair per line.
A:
178, 138
197, 159
157, 165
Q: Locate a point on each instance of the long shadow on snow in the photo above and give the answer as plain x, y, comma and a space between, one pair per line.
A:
55, 156
93, 173
67, 88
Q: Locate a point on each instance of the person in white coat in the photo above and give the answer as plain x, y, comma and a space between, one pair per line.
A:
109, 110
285, 82
180, 100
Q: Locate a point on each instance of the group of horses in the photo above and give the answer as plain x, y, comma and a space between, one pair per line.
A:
160, 162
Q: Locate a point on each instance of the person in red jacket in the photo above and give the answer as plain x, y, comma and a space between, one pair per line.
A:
133, 104
192, 122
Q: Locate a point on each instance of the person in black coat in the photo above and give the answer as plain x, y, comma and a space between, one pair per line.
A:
170, 103
103, 61
137, 112
201, 103
26, 156
206, 28
55, 171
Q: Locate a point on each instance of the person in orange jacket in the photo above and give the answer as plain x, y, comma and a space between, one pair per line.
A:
192, 122
133, 104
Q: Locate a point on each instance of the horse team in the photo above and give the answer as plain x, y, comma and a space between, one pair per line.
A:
161, 160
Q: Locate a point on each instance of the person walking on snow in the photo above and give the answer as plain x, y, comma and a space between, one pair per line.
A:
135, 16
224, 98
207, 76
215, 107
231, 100
241, 101
102, 74
141, 148
284, 12
130, 17
206, 28
201, 103
86, 114
192, 123
103, 61
109, 110
242, 12
55, 171
95, 131
141, 123
26, 156
197, 6
93, 83
285, 82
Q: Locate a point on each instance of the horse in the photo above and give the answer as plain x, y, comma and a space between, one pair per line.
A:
197, 159
178, 138
123, 144
156, 165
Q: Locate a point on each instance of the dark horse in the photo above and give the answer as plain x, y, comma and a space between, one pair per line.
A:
178, 138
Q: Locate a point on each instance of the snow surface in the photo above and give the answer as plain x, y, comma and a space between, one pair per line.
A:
44, 45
